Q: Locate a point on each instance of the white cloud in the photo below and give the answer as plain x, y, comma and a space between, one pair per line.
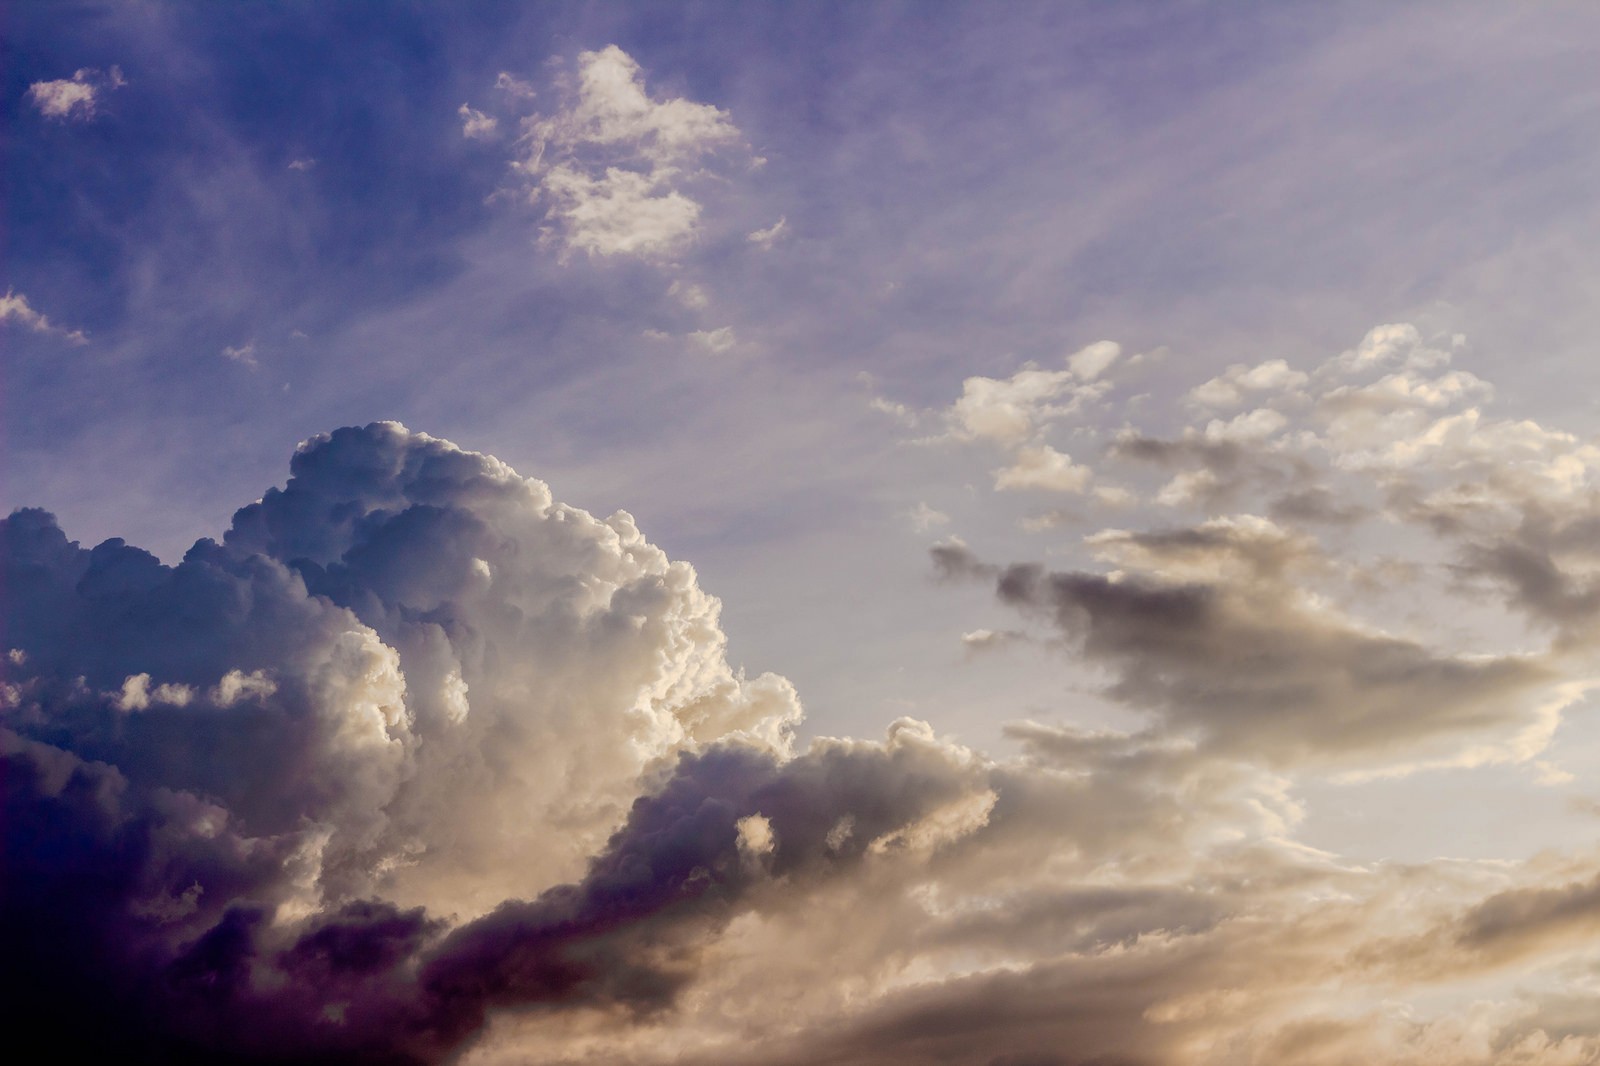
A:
766, 238
514, 86
689, 294
614, 166
1256, 425
303, 164
897, 411
1230, 387
1397, 342
1042, 468
243, 354
475, 125
1095, 359
619, 212
76, 98
14, 307
715, 341
923, 518
489, 661
988, 639
1008, 410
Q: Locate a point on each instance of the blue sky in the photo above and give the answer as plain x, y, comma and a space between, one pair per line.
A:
1292, 304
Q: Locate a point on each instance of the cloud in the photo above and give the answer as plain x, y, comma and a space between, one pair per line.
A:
615, 168
475, 125
1206, 628
514, 86
302, 164
14, 307
76, 98
716, 341
1044, 469
1015, 413
1230, 388
766, 238
978, 640
243, 354
691, 295
1093, 360
448, 676
1010, 410
418, 760
924, 517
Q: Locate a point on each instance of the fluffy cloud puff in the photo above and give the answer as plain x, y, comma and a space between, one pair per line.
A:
76, 98
613, 167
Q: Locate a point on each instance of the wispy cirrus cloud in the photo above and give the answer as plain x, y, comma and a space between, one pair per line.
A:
14, 307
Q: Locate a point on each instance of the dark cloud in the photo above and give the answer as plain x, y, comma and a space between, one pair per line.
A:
369, 982
1240, 657
953, 560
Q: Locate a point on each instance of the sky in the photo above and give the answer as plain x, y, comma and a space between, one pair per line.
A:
926, 533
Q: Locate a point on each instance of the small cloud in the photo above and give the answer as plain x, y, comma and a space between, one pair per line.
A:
766, 238
715, 341
76, 98
690, 295
1091, 361
897, 411
925, 518
477, 126
612, 166
1229, 388
244, 354
14, 307
302, 164
1551, 775
514, 86
1042, 468
979, 640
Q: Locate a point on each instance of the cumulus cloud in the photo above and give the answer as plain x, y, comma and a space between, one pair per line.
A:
14, 307
1043, 468
76, 98
1230, 388
614, 168
1010, 410
1090, 362
416, 763
1015, 414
